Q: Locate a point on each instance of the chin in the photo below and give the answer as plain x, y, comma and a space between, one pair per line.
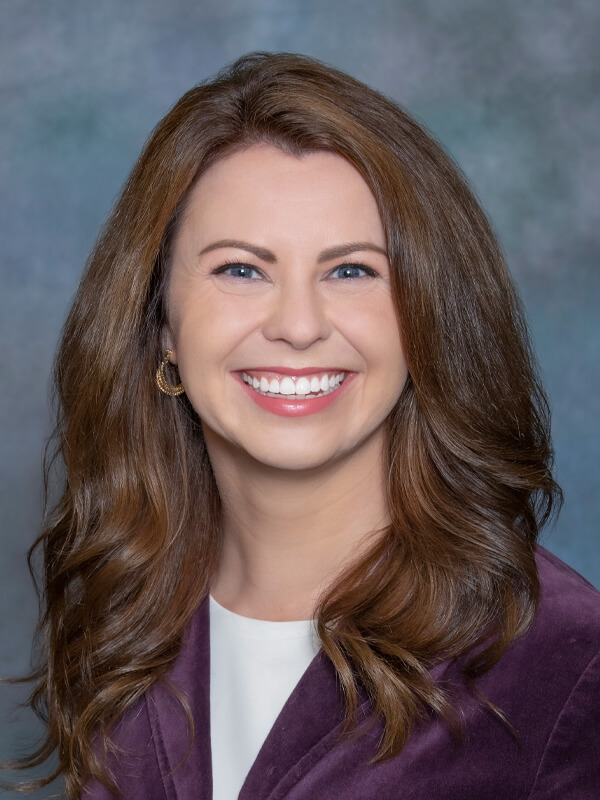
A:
299, 464
304, 452
291, 459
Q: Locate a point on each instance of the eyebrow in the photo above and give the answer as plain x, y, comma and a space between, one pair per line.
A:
329, 254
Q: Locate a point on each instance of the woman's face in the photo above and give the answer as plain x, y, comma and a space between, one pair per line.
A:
280, 309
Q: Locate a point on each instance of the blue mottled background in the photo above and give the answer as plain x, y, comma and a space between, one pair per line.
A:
510, 88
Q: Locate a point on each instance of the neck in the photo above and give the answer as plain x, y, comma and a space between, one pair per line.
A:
289, 534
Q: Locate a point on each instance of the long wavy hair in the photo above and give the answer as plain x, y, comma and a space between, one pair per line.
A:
130, 547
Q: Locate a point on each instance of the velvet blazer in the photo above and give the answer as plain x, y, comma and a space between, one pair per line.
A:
547, 684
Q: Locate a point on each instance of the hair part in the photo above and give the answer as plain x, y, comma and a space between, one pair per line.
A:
468, 457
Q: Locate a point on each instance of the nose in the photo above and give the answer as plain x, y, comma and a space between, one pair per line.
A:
297, 315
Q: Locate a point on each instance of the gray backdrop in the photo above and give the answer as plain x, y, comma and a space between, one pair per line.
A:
510, 88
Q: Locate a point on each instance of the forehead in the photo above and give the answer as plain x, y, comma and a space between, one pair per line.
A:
263, 189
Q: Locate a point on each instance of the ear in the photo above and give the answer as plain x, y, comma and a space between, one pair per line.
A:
168, 343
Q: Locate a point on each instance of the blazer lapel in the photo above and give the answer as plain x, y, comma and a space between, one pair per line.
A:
308, 726
186, 771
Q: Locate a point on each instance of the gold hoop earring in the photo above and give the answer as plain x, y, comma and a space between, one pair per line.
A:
162, 382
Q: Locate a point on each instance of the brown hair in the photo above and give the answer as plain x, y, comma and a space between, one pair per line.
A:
468, 443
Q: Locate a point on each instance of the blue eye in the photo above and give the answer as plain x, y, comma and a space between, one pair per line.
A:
349, 271
241, 271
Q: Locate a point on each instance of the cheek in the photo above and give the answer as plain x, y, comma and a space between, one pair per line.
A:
209, 326
373, 330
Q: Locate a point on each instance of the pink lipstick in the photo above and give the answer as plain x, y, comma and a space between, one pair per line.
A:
294, 393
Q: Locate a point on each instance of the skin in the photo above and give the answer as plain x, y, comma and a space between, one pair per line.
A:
302, 496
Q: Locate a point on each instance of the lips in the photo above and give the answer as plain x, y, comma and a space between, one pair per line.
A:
294, 393
296, 386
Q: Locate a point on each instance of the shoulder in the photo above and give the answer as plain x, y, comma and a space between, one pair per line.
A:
548, 684
562, 641
569, 609
554, 573
563, 638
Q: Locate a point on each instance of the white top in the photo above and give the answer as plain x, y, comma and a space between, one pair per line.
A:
254, 666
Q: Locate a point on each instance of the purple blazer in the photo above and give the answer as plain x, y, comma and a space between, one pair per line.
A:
547, 684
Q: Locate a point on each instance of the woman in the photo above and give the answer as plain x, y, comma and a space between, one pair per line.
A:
296, 378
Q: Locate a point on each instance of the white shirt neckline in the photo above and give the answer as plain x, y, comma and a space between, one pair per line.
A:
255, 665
259, 628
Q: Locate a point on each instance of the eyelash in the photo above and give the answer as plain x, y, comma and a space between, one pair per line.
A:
233, 263
369, 271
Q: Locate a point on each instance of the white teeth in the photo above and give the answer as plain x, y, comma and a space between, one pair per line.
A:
299, 388
302, 386
286, 386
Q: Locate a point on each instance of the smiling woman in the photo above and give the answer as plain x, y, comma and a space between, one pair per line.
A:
285, 287
306, 462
